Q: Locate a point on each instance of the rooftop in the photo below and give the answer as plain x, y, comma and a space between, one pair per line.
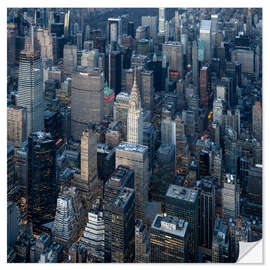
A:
170, 225
132, 147
205, 25
123, 197
182, 193
118, 176
230, 178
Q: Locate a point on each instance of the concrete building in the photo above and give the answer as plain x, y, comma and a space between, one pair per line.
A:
16, 125
87, 99
135, 156
70, 58
257, 121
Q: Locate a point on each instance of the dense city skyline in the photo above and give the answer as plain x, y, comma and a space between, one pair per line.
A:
134, 134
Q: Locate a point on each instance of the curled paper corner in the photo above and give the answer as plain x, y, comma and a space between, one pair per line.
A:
251, 252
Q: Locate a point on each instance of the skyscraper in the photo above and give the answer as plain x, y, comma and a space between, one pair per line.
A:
135, 118
120, 110
205, 35
123, 226
161, 21
204, 87
169, 240
87, 181
257, 121
195, 66
120, 178
164, 171
87, 99
151, 21
42, 186
174, 54
69, 58
94, 235
230, 198
135, 156
30, 86
115, 30
16, 125
207, 212
182, 202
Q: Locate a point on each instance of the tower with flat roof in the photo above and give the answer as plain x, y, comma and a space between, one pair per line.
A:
135, 156
169, 240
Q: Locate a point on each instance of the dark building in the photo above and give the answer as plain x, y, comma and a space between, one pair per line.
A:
120, 178
42, 186
169, 240
131, 29
206, 212
113, 69
105, 161
164, 171
182, 202
122, 227
204, 87
12, 187
50, 89
99, 43
58, 29
205, 162
253, 204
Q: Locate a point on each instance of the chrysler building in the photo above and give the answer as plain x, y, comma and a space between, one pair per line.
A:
135, 120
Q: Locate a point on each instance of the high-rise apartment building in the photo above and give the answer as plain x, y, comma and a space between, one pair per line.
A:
135, 156
41, 186
87, 99
169, 240
30, 86
123, 227
183, 202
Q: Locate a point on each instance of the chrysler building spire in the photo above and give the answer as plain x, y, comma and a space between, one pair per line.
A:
135, 121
